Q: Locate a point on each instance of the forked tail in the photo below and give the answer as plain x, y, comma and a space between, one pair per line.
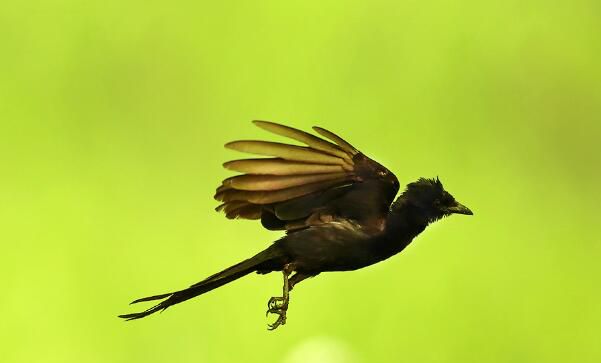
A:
230, 274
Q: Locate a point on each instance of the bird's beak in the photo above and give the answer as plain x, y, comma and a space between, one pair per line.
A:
459, 208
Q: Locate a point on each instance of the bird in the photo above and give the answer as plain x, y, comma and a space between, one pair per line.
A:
335, 205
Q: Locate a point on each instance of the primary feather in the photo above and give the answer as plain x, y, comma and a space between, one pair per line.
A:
285, 151
279, 166
304, 137
275, 182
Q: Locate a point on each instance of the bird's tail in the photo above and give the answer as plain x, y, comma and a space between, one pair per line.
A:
258, 262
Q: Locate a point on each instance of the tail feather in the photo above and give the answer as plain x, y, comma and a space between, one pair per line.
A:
212, 282
150, 298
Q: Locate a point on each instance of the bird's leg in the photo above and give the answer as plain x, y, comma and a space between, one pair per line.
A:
279, 304
276, 302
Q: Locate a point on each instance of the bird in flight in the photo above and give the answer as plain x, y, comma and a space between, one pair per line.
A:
335, 204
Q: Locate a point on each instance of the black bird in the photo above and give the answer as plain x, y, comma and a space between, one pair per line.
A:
335, 204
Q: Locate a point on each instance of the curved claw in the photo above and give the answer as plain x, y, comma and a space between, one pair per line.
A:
276, 310
280, 321
272, 311
277, 305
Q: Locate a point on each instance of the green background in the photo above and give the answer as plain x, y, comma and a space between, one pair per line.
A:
113, 116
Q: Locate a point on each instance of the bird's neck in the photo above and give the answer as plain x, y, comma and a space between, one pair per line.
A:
404, 222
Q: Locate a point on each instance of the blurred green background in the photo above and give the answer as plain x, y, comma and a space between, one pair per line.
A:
113, 116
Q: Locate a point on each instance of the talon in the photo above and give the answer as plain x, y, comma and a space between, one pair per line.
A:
279, 304
280, 321
278, 311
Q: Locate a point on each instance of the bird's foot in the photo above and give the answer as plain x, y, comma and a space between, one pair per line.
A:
277, 305
277, 302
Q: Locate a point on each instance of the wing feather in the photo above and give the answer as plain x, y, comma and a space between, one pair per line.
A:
285, 151
279, 166
337, 139
269, 197
248, 211
296, 185
276, 182
305, 137
240, 209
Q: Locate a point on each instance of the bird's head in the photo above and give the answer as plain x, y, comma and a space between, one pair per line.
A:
430, 198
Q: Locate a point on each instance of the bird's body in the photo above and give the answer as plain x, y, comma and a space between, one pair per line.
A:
335, 204
349, 247
344, 245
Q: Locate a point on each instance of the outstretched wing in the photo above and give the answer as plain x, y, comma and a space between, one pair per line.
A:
300, 186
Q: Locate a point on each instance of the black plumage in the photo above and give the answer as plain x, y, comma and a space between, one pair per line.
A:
335, 204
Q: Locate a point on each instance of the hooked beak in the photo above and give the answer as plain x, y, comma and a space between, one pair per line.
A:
459, 208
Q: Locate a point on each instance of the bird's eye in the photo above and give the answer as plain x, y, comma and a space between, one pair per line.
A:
381, 173
447, 199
